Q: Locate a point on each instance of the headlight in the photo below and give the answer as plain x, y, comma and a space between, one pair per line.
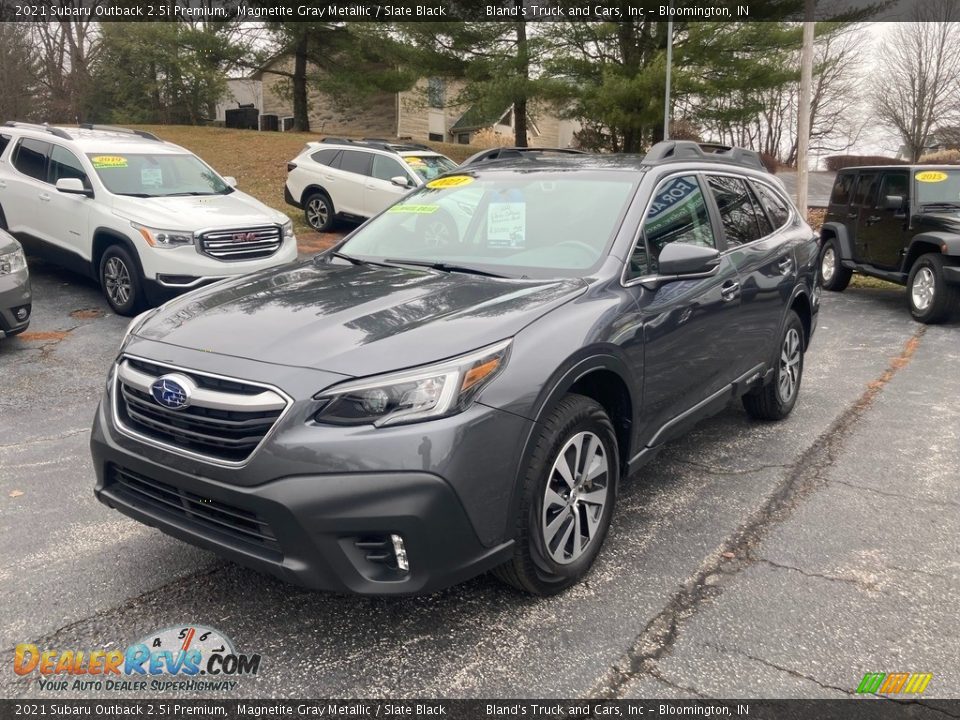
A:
288, 230
12, 262
413, 395
164, 238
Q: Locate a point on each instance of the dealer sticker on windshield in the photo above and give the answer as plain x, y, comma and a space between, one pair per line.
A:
931, 176
108, 161
414, 209
449, 182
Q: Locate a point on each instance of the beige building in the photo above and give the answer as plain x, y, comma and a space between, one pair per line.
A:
426, 112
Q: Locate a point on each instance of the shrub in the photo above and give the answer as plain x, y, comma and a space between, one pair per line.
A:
838, 162
490, 138
943, 157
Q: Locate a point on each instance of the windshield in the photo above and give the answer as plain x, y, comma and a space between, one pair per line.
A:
543, 224
938, 187
429, 166
142, 175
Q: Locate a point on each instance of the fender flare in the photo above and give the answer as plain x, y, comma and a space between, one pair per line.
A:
947, 242
117, 238
845, 242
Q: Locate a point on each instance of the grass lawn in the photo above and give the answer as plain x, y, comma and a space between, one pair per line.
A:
259, 162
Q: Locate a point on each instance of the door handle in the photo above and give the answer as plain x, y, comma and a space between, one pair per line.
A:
44, 197
852, 216
730, 291
785, 265
873, 219
3, 185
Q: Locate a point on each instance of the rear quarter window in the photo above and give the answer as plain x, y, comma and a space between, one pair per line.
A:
842, 188
324, 157
31, 158
4, 141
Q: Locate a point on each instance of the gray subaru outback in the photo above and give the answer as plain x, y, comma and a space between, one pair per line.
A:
411, 409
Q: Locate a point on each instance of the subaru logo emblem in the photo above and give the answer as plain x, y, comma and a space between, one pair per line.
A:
172, 391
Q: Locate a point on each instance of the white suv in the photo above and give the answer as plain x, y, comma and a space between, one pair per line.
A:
146, 218
357, 179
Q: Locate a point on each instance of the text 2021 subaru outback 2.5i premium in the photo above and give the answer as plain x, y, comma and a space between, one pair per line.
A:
146, 218
395, 417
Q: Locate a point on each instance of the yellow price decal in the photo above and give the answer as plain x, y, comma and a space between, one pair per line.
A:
931, 176
109, 161
449, 182
414, 209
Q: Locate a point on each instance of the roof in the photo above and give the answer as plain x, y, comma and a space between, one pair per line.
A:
100, 139
819, 186
475, 118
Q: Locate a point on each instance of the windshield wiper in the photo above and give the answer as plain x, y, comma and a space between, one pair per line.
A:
349, 258
188, 194
445, 267
137, 195
945, 203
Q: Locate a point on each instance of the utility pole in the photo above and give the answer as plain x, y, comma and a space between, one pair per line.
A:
666, 100
803, 112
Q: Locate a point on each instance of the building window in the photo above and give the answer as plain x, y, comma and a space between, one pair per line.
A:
463, 138
435, 92
435, 137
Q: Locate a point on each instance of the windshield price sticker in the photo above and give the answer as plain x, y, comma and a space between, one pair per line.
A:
150, 177
108, 161
450, 182
507, 224
414, 209
931, 176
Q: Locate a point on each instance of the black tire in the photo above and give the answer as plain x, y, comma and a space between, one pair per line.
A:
319, 211
833, 276
534, 567
118, 270
3, 220
772, 401
930, 297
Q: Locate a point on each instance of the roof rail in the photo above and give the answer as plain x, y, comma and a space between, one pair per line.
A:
55, 131
503, 153
689, 150
113, 128
376, 143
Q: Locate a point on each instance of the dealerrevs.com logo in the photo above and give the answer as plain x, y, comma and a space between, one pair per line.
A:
183, 659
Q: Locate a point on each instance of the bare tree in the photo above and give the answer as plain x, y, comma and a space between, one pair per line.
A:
919, 83
18, 74
65, 52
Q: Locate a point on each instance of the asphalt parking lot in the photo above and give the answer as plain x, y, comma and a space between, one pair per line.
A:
750, 560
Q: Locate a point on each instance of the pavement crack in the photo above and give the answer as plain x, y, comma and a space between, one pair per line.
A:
831, 578
722, 471
781, 668
806, 475
898, 496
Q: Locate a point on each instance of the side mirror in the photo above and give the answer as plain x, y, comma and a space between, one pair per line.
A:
230, 180
73, 186
893, 202
682, 259
400, 181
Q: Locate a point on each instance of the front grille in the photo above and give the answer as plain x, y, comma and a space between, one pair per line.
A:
209, 515
226, 420
241, 243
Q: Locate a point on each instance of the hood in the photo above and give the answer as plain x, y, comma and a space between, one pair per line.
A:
354, 320
948, 220
236, 209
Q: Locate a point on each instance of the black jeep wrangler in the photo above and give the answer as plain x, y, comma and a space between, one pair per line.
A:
899, 223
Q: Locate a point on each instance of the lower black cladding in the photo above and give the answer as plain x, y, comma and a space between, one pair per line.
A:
207, 515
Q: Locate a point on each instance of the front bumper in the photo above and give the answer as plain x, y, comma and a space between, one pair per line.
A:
15, 302
312, 502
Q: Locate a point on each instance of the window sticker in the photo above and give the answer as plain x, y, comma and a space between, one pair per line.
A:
450, 182
506, 224
151, 177
414, 209
101, 162
931, 176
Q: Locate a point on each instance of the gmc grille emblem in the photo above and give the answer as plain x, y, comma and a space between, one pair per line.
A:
244, 237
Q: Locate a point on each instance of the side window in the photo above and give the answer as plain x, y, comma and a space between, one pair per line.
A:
842, 189
64, 164
777, 207
893, 184
325, 157
4, 141
31, 158
743, 220
866, 192
385, 168
355, 162
678, 214
436, 92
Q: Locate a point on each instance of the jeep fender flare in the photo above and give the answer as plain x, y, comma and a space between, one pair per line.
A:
844, 241
946, 242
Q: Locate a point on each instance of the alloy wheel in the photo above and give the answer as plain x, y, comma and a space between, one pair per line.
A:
117, 281
827, 269
575, 497
923, 289
789, 375
317, 213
